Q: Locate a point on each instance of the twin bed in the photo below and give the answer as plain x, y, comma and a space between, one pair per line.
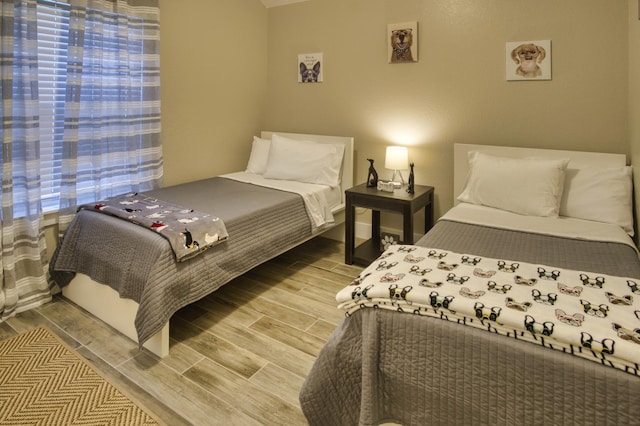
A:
520, 306
292, 190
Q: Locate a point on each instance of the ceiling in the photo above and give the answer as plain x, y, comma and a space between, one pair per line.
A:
274, 3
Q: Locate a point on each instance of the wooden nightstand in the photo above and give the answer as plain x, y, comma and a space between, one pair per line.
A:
398, 201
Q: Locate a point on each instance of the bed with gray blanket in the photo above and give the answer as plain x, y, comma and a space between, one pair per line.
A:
393, 364
136, 283
261, 222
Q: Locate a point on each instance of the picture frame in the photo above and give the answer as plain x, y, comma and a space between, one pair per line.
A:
528, 60
310, 68
402, 42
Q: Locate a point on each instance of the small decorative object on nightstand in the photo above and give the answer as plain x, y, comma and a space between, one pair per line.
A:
372, 178
386, 186
398, 201
411, 184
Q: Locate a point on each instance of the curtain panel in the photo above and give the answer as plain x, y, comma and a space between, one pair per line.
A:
109, 116
23, 269
112, 139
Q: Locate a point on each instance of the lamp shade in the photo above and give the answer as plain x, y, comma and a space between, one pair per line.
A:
397, 158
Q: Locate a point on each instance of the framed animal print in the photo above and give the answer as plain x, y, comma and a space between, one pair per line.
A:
529, 60
310, 68
402, 42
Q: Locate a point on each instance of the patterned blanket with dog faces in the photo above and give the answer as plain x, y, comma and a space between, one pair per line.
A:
582, 313
189, 232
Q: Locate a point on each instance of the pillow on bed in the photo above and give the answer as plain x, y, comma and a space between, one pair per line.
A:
599, 194
259, 155
304, 161
529, 186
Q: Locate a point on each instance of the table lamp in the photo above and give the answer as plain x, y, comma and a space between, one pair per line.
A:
397, 159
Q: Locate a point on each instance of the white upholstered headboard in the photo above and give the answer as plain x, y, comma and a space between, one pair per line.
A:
578, 159
346, 181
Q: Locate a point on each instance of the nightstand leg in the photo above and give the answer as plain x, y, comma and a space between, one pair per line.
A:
407, 226
375, 225
350, 238
428, 217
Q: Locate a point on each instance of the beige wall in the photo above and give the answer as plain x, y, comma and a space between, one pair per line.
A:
634, 94
229, 70
457, 92
214, 82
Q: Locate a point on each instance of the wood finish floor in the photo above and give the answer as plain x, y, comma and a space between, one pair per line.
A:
238, 356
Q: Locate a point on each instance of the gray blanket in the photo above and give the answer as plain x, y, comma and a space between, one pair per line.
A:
385, 366
141, 266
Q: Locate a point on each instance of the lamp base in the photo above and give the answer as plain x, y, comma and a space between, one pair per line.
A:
397, 174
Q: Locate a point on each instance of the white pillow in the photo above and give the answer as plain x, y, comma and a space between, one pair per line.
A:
599, 194
529, 186
259, 155
304, 161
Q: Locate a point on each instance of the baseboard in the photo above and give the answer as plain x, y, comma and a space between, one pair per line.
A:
335, 233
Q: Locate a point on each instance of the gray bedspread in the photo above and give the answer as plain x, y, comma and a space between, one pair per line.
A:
141, 266
381, 365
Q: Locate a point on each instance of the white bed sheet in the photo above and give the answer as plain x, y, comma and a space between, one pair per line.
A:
319, 200
557, 226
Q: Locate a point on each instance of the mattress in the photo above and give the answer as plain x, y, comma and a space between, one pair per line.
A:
139, 264
381, 365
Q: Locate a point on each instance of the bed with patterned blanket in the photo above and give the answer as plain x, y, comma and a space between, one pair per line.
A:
493, 317
126, 271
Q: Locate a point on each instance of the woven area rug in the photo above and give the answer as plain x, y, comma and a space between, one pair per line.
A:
45, 382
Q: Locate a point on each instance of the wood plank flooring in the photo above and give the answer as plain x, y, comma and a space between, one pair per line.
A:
238, 356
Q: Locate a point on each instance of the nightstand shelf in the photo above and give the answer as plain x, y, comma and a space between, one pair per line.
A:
370, 249
398, 201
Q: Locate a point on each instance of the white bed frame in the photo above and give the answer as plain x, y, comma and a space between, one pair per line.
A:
105, 303
577, 159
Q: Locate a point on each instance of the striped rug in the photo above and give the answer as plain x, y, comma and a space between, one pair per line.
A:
44, 382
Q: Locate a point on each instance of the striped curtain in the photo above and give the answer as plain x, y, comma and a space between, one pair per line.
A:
110, 142
112, 116
23, 280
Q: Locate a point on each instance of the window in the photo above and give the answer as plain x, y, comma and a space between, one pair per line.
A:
117, 146
53, 36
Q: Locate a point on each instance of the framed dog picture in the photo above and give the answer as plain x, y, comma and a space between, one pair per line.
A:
310, 68
402, 42
529, 60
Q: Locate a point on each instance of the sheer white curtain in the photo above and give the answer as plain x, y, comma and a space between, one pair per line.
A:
23, 276
80, 114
